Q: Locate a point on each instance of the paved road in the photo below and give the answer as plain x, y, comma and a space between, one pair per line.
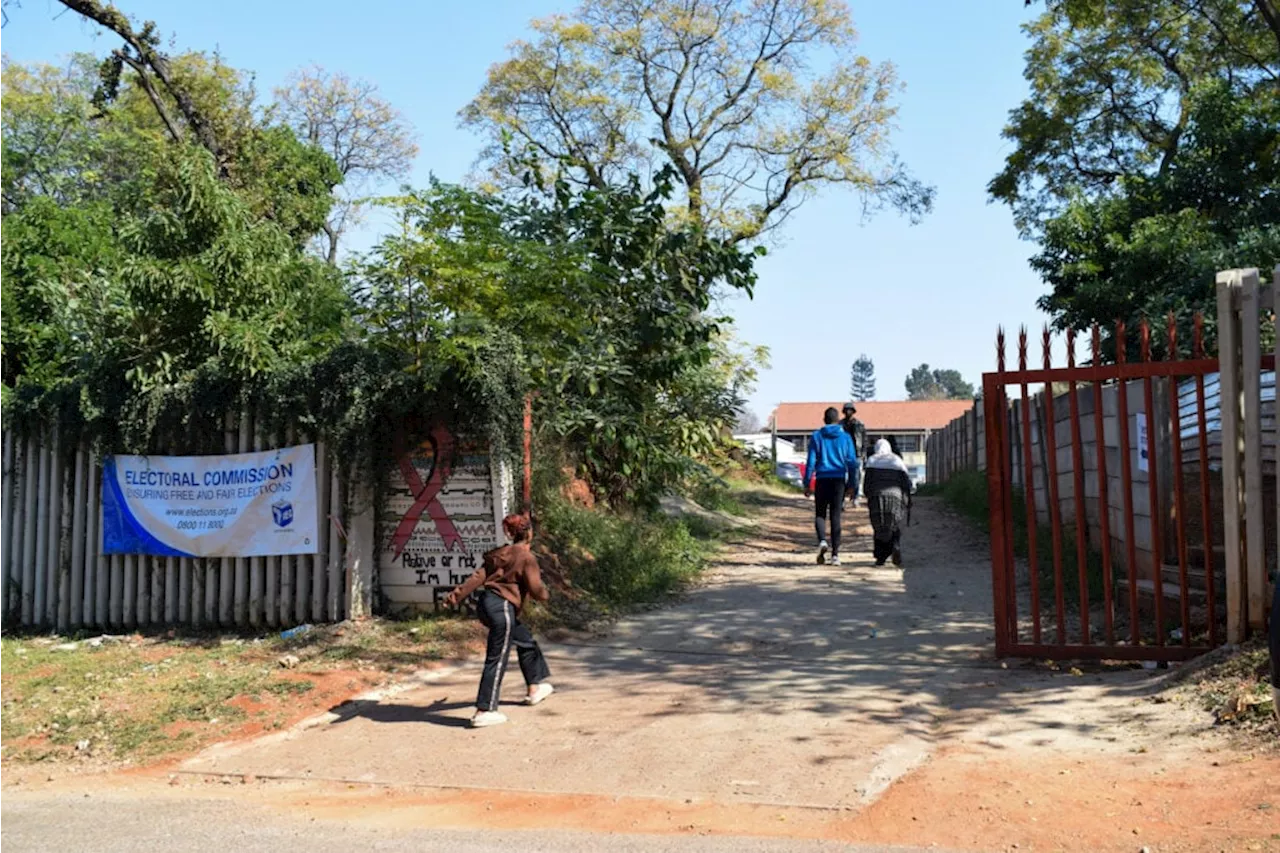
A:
64, 823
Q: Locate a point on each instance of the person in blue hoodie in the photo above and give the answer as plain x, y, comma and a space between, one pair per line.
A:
834, 463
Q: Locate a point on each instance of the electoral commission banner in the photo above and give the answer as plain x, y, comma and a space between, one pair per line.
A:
239, 505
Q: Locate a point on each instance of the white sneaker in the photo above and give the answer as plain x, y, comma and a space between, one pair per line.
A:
822, 552
834, 561
487, 718
540, 692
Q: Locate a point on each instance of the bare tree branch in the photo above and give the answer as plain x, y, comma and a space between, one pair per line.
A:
147, 59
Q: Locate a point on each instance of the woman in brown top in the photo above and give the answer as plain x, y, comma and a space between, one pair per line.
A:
507, 577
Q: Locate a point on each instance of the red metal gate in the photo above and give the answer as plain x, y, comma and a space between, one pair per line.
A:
1143, 585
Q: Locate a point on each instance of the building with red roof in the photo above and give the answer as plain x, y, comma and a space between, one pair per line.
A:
908, 422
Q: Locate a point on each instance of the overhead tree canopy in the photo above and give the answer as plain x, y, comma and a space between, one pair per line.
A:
755, 105
152, 283
1147, 155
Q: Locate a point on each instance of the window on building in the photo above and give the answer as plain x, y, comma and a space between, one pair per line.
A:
905, 443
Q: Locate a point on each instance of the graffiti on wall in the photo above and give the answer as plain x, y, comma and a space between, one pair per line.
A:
440, 513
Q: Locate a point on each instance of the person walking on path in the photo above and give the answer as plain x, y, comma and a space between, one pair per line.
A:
834, 463
888, 487
858, 433
506, 578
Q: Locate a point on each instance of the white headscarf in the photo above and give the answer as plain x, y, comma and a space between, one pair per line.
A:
884, 457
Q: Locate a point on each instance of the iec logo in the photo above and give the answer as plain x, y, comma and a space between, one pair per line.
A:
282, 512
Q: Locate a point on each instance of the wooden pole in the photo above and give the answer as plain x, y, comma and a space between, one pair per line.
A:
95, 561
8, 506
337, 557
320, 560
242, 563
31, 528
1228, 284
75, 609
1251, 361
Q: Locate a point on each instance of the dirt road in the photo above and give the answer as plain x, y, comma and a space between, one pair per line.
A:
781, 699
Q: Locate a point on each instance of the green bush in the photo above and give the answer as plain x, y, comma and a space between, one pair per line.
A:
621, 559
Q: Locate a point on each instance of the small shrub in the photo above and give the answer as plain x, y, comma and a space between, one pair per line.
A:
627, 559
715, 494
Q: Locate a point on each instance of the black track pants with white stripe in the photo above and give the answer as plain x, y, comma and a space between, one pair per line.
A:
505, 630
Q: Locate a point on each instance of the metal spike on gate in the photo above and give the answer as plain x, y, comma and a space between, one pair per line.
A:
1000, 349
1022, 348
1071, 347
1047, 341
1197, 336
1171, 331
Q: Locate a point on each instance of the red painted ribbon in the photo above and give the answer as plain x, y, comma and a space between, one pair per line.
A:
425, 495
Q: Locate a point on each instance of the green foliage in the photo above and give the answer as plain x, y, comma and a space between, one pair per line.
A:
154, 285
160, 296
1147, 155
610, 304
634, 557
937, 384
150, 290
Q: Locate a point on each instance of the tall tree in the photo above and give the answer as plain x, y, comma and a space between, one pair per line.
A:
937, 384
611, 306
862, 379
1145, 156
756, 104
369, 139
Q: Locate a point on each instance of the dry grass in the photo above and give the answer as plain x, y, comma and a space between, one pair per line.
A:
131, 699
1232, 683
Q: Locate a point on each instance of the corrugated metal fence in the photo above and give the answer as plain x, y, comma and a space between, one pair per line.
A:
56, 576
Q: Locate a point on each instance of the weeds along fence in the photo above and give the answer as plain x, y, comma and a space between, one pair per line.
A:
56, 576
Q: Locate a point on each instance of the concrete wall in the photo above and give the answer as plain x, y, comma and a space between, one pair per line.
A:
961, 447
421, 562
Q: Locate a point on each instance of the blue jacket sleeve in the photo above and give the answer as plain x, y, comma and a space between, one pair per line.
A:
811, 459
850, 459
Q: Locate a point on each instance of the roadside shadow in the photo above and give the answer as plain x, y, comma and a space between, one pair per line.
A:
438, 713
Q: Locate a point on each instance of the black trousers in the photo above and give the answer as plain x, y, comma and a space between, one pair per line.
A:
828, 499
505, 630
883, 549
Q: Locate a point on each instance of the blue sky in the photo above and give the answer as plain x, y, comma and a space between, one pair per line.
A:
831, 288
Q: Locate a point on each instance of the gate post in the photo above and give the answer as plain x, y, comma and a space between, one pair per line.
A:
1228, 285
992, 391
